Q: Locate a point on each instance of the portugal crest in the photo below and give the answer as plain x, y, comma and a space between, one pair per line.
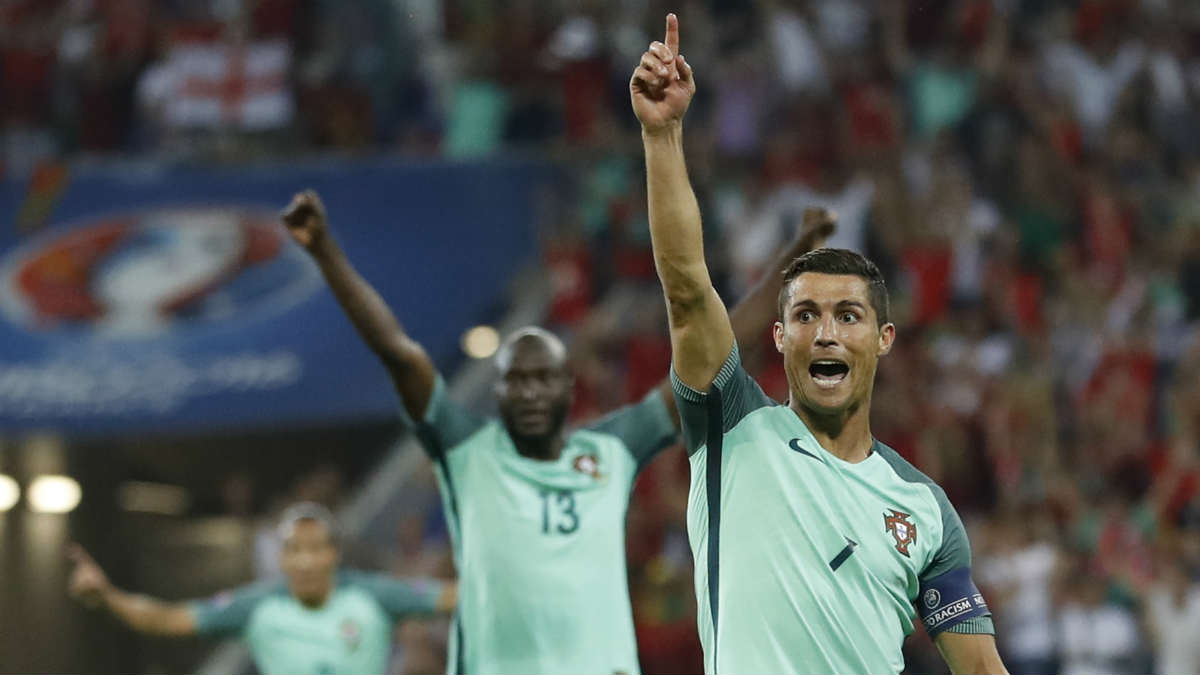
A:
900, 527
351, 634
588, 464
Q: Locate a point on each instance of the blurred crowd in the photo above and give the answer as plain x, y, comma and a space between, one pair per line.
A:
1025, 172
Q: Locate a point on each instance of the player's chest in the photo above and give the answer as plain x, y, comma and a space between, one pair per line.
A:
517, 501
344, 627
833, 517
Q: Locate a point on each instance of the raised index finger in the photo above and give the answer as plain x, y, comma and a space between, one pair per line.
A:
672, 38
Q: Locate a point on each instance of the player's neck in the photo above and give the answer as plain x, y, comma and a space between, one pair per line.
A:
545, 449
846, 435
315, 602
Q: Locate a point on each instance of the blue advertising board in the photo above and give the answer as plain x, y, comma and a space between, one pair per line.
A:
170, 300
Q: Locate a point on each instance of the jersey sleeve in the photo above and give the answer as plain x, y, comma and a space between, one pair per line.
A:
445, 424
228, 612
645, 427
732, 395
948, 600
401, 598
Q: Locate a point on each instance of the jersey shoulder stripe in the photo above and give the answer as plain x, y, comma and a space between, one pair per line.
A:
712, 488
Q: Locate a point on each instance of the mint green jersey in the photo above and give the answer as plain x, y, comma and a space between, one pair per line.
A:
806, 563
540, 545
350, 633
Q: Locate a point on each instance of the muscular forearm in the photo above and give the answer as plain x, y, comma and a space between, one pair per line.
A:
148, 615
675, 229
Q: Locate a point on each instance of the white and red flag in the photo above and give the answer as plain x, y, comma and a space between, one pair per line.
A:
219, 85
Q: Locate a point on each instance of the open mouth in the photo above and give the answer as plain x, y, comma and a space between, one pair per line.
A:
828, 372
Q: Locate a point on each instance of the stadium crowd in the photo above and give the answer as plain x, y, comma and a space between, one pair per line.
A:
1025, 172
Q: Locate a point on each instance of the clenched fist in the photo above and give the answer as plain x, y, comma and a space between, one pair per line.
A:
305, 219
819, 224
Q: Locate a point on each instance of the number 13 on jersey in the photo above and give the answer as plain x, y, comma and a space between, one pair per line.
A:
558, 512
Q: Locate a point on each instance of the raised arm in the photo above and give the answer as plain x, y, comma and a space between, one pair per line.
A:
701, 335
411, 369
143, 614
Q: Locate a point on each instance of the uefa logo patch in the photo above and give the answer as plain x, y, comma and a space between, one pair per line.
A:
144, 272
932, 598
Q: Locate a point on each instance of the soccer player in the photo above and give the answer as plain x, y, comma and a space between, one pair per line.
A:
318, 620
812, 540
536, 514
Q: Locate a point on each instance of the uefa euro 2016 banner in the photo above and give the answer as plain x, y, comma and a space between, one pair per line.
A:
171, 300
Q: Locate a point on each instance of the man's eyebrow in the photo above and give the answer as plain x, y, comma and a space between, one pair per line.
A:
808, 302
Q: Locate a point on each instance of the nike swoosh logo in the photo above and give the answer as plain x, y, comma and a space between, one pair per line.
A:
795, 445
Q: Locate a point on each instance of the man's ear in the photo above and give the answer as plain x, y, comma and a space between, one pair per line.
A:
887, 336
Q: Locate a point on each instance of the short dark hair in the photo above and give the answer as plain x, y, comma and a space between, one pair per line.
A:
838, 261
311, 512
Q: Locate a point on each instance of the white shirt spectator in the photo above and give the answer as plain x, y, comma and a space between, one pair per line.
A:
1096, 639
1027, 623
1177, 630
982, 220
801, 67
1092, 87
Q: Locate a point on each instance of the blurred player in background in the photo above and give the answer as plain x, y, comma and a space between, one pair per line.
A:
320, 619
811, 538
536, 513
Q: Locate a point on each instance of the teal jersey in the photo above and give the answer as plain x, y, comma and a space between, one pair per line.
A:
350, 633
806, 563
540, 545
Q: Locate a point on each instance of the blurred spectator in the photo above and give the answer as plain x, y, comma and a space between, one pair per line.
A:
797, 56
1173, 621
1018, 566
1093, 73
1097, 636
